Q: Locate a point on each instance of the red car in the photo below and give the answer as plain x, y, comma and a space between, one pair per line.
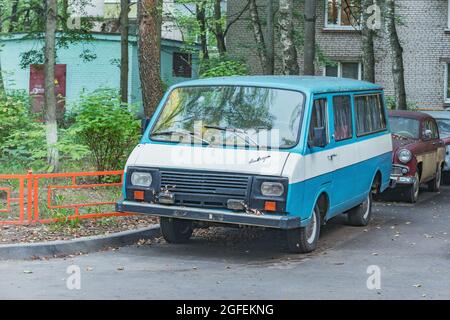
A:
418, 152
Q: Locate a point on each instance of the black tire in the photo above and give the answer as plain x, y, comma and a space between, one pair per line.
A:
412, 192
446, 177
176, 230
435, 184
304, 240
360, 216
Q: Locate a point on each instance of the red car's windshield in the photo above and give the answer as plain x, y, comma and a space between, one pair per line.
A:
405, 127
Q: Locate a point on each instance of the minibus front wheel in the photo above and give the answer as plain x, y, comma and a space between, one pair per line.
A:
176, 230
304, 240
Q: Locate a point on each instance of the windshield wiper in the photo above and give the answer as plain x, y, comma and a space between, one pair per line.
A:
185, 133
236, 131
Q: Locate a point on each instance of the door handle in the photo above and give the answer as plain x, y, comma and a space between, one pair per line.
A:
332, 156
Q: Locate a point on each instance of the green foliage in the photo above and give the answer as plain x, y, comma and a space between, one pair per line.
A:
109, 129
187, 19
390, 104
13, 114
222, 67
22, 137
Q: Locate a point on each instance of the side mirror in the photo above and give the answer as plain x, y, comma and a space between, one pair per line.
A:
144, 124
427, 134
319, 138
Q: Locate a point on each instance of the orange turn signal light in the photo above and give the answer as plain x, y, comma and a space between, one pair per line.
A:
139, 195
270, 206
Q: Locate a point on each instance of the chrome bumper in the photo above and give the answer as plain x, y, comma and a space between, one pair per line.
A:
399, 176
210, 215
402, 180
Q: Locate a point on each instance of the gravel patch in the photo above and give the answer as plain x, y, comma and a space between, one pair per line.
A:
12, 234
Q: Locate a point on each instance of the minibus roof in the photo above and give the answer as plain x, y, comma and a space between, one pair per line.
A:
306, 84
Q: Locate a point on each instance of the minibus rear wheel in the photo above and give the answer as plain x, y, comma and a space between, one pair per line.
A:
304, 240
176, 230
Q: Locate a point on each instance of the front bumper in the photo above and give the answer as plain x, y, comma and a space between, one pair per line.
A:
400, 176
404, 180
210, 215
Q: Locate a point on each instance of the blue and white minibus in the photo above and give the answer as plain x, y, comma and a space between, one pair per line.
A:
284, 152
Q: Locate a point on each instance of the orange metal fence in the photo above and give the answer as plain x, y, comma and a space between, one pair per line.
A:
37, 192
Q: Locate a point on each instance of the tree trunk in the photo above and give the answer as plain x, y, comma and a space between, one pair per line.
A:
65, 8
124, 5
201, 20
149, 21
14, 17
259, 36
218, 29
2, 84
368, 51
310, 37
49, 93
288, 50
270, 43
398, 70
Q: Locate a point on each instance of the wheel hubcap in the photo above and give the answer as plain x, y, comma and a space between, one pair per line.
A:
312, 229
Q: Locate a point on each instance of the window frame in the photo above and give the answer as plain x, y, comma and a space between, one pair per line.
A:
359, 135
338, 26
448, 16
151, 128
446, 81
327, 118
339, 66
179, 53
352, 129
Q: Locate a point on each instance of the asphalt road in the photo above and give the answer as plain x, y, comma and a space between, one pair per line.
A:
409, 244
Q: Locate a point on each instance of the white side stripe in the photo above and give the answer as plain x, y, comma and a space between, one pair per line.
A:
300, 168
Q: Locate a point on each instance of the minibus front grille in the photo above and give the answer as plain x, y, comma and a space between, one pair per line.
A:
205, 189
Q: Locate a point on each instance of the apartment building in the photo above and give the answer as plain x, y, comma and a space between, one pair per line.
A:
424, 32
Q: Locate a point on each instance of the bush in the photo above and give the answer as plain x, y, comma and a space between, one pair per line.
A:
109, 129
13, 114
391, 104
22, 138
222, 68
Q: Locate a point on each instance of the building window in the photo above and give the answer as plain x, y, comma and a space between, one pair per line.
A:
342, 14
182, 65
449, 14
447, 83
352, 70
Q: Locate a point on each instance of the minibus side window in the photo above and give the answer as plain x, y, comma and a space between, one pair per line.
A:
370, 116
319, 120
342, 110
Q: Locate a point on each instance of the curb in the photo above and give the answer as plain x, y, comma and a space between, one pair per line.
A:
83, 245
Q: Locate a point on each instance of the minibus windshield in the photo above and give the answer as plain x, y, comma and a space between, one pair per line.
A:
231, 116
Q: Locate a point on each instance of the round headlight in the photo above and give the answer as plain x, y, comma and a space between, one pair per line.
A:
141, 179
272, 189
404, 156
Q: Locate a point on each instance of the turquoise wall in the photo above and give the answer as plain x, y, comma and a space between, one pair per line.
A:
88, 76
